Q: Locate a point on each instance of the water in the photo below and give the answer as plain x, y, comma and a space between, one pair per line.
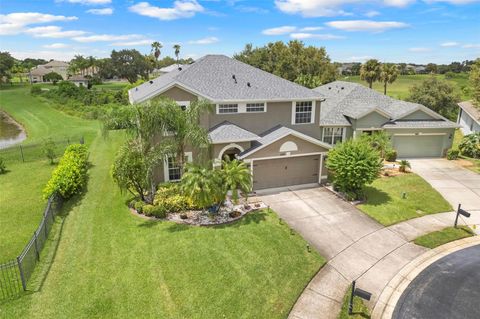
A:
10, 131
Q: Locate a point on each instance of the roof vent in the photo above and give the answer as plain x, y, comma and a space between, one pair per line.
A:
342, 87
248, 84
234, 78
151, 82
329, 87
136, 89
179, 68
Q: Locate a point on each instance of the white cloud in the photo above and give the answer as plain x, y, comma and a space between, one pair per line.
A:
107, 37
359, 58
102, 12
372, 14
180, 9
279, 30
208, 40
133, 43
398, 3
44, 54
302, 36
53, 31
90, 1
313, 8
366, 25
56, 46
453, 1
307, 29
450, 44
14, 23
471, 46
419, 50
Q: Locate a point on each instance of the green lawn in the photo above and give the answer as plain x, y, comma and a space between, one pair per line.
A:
360, 310
111, 85
21, 202
111, 264
400, 88
385, 203
441, 237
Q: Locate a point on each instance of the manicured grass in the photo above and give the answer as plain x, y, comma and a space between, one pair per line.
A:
21, 202
111, 264
400, 88
446, 235
111, 85
385, 203
360, 311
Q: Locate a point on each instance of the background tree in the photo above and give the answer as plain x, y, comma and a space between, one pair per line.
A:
156, 47
49, 150
309, 81
388, 75
290, 61
370, 71
6, 64
105, 68
353, 164
52, 77
176, 47
19, 70
130, 64
475, 81
402, 68
437, 95
431, 68
236, 176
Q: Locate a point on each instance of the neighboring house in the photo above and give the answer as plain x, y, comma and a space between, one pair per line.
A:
469, 118
166, 69
37, 73
282, 130
78, 80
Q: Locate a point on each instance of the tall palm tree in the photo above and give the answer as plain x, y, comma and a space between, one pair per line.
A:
236, 176
156, 47
370, 71
202, 184
176, 47
388, 75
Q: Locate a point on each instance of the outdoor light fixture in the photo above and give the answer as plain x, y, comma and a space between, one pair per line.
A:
460, 212
359, 293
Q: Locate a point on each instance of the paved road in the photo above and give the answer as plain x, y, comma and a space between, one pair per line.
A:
448, 289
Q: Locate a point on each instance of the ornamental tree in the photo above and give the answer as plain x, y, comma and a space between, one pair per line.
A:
353, 164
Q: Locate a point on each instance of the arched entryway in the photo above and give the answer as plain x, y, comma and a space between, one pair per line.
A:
231, 151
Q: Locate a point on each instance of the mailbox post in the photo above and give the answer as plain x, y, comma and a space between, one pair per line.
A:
359, 293
460, 212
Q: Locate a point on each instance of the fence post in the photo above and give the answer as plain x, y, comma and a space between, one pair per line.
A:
36, 244
21, 152
22, 276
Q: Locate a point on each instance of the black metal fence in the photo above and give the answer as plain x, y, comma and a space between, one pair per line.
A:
32, 152
15, 274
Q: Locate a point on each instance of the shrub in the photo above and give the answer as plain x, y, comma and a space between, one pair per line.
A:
70, 175
169, 199
452, 154
3, 167
403, 166
139, 205
391, 155
470, 145
49, 150
35, 90
155, 211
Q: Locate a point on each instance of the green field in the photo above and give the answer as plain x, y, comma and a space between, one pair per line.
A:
400, 88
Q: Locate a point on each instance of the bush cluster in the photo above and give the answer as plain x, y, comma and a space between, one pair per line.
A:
470, 145
169, 198
70, 175
453, 154
391, 155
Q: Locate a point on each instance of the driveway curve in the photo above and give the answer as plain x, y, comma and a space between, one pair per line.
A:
446, 289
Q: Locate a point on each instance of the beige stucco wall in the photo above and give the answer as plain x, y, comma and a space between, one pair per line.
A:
177, 94
418, 115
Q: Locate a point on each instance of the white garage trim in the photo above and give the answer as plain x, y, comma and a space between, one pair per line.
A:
419, 134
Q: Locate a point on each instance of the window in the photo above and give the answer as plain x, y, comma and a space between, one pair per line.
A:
255, 107
173, 169
333, 135
227, 108
303, 112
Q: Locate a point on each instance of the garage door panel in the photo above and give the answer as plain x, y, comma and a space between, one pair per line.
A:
418, 145
285, 172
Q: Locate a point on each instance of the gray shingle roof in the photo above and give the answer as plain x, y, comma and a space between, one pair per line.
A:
227, 132
471, 109
211, 77
420, 124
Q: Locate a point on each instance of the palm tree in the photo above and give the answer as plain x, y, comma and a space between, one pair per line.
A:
379, 140
203, 185
370, 71
176, 47
156, 47
403, 166
236, 176
388, 75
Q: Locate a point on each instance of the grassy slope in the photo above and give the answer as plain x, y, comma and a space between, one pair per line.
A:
386, 205
111, 264
21, 203
400, 88
446, 235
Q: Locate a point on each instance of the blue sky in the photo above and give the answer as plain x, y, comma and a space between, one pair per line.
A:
418, 31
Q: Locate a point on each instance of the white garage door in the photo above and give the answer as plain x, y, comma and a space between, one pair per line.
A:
418, 145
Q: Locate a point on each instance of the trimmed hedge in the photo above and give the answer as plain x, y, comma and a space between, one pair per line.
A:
70, 175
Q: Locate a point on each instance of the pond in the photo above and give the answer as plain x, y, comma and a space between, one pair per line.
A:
10, 131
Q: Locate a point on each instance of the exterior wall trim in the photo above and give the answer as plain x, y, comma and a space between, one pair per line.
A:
227, 147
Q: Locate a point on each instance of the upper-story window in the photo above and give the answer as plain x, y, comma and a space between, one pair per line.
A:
255, 107
227, 108
303, 112
333, 135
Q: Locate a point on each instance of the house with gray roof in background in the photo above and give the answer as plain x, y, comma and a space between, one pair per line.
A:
469, 117
283, 130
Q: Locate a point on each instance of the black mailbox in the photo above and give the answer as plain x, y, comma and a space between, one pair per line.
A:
363, 294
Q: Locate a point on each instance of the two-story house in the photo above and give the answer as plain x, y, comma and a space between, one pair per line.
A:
284, 130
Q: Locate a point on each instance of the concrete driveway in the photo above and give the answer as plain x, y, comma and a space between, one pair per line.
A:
455, 183
357, 247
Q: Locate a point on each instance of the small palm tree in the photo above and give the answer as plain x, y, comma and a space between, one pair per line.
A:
156, 47
403, 166
388, 75
370, 71
176, 47
202, 185
236, 176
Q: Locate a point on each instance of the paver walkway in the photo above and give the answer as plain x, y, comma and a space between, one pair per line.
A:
357, 247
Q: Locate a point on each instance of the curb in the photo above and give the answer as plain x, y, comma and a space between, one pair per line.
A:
393, 291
